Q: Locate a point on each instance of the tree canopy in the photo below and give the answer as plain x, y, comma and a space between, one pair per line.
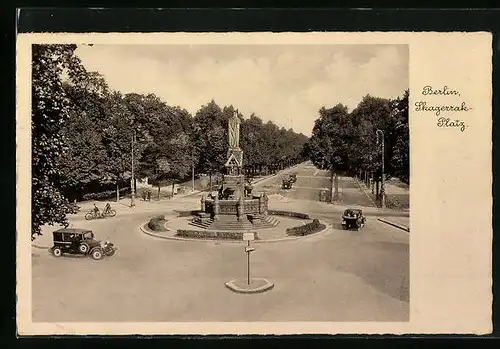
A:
50, 110
84, 136
347, 141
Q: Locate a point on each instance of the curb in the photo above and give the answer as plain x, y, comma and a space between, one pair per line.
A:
143, 228
268, 285
396, 225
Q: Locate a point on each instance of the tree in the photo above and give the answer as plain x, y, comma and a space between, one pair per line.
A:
328, 147
348, 141
168, 162
251, 144
400, 160
50, 109
210, 135
85, 160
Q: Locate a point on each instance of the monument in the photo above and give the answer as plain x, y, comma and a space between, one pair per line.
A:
234, 206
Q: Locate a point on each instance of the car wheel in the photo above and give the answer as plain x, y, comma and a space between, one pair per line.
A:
110, 253
84, 248
97, 254
89, 216
57, 252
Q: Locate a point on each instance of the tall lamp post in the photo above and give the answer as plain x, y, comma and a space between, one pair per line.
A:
382, 187
132, 177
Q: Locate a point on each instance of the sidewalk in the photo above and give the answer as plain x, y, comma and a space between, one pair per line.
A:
402, 223
396, 196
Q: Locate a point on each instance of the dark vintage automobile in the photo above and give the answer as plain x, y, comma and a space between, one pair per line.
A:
293, 177
80, 241
287, 183
353, 219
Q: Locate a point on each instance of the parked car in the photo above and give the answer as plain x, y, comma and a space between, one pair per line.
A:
353, 219
80, 241
293, 177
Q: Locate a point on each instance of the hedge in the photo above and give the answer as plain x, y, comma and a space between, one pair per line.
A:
187, 213
157, 223
211, 235
142, 193
289, 214
310, 228
108, 194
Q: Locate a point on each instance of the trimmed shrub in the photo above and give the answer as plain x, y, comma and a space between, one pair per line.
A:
211, 235
187, 213
105, 195
289, 214
157, 223
303, 230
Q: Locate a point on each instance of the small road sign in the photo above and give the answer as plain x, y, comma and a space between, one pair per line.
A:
249, 249
248, 236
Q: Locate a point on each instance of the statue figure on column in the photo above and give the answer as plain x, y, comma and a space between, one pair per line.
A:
234, 131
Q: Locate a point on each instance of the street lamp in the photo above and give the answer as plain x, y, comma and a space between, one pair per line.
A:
382, 187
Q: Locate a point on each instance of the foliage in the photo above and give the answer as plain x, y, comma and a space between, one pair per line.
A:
288, 214
50, 109
328, 145
210, 138
307, 229
397, 201
104, 195
187, 213
347, 142
85, 135
400, 160
211, 235
157, 223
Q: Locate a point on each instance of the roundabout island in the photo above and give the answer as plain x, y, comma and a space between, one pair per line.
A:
233, 209
234, 213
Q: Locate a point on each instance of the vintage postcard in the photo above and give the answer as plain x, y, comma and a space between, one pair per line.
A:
254, 183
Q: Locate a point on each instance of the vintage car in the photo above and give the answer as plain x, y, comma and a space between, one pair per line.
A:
293, 177
353, 219
287, 183
80, 241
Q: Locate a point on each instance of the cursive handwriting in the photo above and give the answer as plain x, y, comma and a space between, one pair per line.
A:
445, 91
446, 122
437, 109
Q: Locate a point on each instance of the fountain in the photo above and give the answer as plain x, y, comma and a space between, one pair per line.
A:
233, 206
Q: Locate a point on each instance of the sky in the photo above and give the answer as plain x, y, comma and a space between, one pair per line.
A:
286, 84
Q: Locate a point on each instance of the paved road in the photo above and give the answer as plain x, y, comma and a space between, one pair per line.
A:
336, 276
310, 182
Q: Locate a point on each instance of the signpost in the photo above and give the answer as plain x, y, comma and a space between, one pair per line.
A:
248, 237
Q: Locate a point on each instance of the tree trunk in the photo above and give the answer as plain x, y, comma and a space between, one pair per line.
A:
117, 192
332, 193
210, 180
158, 192
173, 186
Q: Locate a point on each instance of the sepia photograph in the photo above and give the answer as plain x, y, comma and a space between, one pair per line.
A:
253, 183
220, 183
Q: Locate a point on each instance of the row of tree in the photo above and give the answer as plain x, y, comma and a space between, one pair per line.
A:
84, 136
348, 142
